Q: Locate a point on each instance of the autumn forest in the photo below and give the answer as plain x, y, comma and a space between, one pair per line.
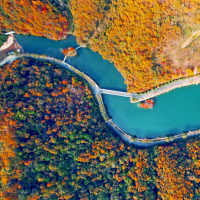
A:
142, 39
54, 143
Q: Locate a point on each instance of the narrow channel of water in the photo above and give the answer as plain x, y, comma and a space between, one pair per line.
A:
174, 112
101, 71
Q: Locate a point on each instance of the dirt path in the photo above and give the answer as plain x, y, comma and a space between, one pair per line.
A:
190, 39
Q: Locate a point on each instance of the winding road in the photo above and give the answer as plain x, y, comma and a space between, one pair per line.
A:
97, 92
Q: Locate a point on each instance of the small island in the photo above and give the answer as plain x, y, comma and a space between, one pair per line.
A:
148, 104
69, 52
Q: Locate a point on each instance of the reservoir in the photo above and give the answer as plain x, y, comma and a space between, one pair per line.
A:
174, 112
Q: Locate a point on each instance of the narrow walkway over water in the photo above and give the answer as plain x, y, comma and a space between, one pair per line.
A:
97, 92
174, 112
117, 93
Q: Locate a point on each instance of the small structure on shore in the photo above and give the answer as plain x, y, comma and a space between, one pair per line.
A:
10, 45
69, 52
148, 104
8, 33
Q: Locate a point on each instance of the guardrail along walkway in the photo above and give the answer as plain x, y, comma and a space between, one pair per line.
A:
117, 93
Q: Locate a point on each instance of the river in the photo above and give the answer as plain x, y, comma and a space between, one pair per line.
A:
173, 113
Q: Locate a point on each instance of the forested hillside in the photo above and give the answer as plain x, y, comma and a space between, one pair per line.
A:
55, 145
40, 18
144, 39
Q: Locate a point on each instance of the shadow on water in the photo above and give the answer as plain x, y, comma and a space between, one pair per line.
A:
106, 107
191, 127
174, 131
155, 100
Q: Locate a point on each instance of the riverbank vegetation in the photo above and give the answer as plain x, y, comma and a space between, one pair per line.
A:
3, 38
39, 18
56, 145
143, 39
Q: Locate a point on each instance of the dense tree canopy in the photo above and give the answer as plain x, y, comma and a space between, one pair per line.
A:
3, 38
142, 38
55, 145
33, 17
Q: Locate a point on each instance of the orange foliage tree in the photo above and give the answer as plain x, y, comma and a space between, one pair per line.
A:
32, 17
142, 38
172, 180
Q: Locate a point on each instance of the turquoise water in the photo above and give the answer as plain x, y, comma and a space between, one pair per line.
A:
91, 63
174, 112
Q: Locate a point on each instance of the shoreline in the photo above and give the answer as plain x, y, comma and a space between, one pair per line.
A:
10, 45
7, 43
95, 88
195, 79
165, 87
